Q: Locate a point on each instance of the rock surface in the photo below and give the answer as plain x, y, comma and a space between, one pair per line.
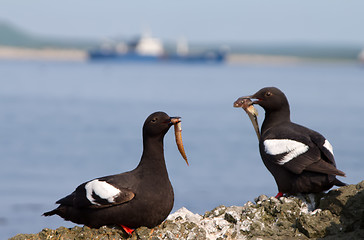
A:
338, 214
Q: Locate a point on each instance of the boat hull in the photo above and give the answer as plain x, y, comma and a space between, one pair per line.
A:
208, 57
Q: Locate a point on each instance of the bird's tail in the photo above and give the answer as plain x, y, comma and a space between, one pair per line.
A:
50, 213
325, 167
339, 183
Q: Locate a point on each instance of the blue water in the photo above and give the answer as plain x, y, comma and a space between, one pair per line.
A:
63, 123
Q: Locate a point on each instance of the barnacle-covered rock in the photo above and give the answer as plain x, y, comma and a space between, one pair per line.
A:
338, 214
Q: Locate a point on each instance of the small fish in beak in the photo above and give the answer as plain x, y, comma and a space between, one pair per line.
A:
178, 135
247, 104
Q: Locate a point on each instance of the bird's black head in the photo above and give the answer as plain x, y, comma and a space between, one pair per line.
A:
271, 99
157, 124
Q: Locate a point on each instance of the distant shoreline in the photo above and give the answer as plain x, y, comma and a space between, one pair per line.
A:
42, 54
57, 54
257, 58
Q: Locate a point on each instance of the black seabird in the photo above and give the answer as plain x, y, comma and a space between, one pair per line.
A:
141, 197
300, 159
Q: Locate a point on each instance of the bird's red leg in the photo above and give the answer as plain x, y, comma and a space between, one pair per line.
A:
280, 194
127, 230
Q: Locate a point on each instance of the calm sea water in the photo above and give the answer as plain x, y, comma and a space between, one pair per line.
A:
63, 123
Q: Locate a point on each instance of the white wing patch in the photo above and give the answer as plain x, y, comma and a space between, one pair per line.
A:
328, 146
102, 189
290, 148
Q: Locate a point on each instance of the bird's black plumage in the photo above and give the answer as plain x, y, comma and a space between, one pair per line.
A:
141, 197
300, 159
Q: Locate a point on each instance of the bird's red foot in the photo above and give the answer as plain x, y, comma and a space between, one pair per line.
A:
280, 194
127, 230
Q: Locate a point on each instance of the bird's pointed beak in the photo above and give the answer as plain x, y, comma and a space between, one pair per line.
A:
176, 121
247, 104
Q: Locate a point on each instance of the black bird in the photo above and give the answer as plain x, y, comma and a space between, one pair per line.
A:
141, 197
300, 159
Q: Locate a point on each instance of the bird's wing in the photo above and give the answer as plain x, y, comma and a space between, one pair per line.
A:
291, 154
327, 161
296, 152
325, 147
98, 193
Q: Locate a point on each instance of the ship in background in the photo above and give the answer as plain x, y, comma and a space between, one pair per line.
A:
361, 56
149, 49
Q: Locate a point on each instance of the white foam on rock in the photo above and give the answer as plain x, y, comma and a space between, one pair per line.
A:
186, 215
238, 220
215, 227
308, 205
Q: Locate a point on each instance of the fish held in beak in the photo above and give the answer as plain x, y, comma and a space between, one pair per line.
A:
178, 135
247, 104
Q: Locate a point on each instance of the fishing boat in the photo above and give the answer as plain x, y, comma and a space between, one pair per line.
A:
149, 49
361, 56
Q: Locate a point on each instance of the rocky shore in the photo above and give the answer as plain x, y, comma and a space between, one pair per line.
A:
338, 214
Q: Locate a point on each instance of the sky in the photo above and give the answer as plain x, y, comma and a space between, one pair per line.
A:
240, 21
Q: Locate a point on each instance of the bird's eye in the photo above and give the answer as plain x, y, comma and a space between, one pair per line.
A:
154, 120
268, 94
